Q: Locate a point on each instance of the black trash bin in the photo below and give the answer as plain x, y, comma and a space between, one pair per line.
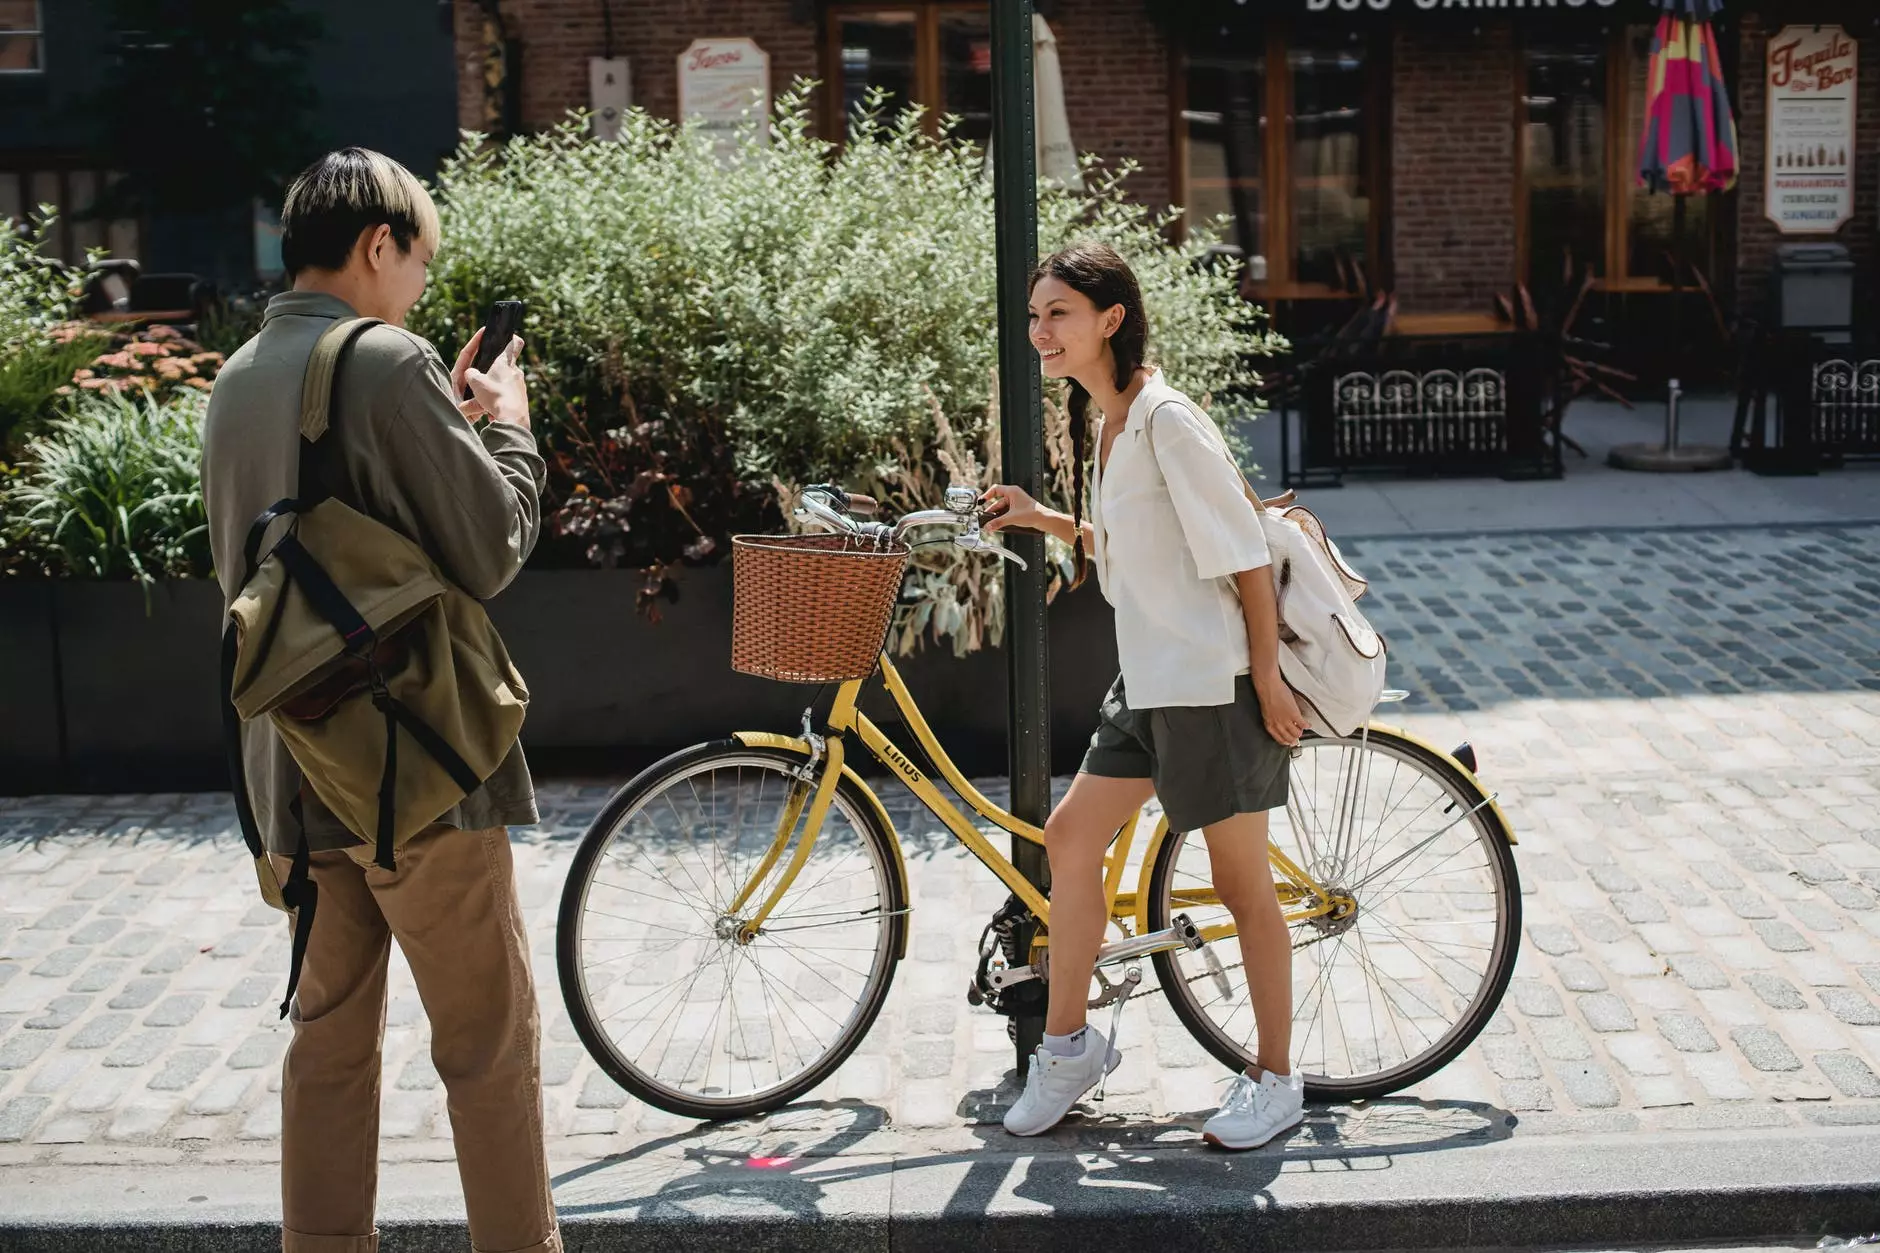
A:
1815, 290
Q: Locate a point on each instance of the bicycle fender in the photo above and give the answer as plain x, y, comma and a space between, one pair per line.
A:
1458, 767
795, 744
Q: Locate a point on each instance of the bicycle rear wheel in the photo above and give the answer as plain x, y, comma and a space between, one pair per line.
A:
666, 989
1397, 983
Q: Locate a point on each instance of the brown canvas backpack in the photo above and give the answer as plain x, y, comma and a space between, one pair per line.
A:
388, 683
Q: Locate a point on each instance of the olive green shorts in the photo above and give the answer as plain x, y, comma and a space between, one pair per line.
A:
1208, 762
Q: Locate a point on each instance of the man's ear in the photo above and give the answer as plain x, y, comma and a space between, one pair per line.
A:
373, 243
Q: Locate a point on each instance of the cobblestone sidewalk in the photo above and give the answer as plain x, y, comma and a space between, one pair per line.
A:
1684, 729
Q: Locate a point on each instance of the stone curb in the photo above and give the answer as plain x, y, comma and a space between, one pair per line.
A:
1611, 1191
1517, 531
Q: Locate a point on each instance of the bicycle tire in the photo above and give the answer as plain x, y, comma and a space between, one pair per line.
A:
851, 802
1491, 833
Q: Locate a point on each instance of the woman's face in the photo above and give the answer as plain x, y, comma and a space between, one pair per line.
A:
1070, 333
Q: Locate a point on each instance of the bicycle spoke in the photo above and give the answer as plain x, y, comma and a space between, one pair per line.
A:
695, 1013
1385, 990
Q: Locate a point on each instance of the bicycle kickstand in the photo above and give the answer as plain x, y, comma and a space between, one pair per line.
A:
1132, 979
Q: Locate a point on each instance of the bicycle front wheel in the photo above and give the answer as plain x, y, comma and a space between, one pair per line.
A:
1396, 981
668, 985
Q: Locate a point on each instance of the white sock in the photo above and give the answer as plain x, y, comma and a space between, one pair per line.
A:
1071, 1045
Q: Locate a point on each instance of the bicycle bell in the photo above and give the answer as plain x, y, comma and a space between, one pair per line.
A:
962, 499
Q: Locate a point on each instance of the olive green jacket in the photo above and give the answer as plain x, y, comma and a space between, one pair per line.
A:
469, 497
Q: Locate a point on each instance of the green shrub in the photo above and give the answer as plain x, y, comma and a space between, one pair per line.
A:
111, 491
36, 291
37, 295
796, 313
34, 375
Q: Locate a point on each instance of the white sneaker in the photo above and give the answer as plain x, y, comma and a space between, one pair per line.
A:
1256, 1111
1055, 1083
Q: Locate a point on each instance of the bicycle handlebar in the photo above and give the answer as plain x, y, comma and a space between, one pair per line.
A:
832, 506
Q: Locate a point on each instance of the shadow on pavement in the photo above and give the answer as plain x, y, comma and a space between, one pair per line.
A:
1093, 1160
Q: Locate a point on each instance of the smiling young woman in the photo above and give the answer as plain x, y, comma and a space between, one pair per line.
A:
1199, 716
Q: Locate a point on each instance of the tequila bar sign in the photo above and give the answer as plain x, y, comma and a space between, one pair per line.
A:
1811, 73
725, 85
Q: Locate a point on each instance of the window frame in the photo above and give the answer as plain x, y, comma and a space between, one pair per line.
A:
1276, 161
1621, 176
38, 32
927, 70
120, 237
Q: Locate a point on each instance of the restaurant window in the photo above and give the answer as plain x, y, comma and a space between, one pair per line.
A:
1303, 198
1582, 111
938, 55
70, 190
22, 43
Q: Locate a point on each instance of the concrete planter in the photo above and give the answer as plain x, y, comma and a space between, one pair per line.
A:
102, 695
31, 726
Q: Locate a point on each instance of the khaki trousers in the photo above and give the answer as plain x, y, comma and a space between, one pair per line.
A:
451, 905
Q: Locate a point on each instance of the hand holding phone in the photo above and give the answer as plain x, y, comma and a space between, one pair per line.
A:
499, 327
490, 384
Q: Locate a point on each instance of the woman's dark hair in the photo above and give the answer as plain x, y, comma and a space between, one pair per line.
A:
1098, 272
344, 193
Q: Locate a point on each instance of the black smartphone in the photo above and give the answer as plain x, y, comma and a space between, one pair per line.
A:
502, 325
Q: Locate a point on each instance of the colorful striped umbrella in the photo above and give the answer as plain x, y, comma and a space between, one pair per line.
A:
1689, 145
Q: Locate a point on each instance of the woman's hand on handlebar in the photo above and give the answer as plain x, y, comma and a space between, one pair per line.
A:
1012, 508
1007, 506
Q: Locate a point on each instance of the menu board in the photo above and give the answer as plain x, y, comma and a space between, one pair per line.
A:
1812, 74
725, 85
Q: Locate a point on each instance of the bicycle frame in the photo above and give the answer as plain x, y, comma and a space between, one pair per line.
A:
1301, 897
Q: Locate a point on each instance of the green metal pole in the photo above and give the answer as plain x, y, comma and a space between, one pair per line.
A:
1015, 194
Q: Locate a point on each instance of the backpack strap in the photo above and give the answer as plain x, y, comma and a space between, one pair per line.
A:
322, 471
1253, 497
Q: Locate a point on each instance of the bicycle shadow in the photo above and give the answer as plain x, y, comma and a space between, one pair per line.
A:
863, 1168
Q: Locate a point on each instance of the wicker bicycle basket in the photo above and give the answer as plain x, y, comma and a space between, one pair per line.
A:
811, 608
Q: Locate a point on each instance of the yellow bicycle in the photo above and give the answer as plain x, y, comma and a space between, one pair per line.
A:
735, 914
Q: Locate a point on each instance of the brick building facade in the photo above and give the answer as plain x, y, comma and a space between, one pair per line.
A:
1443, 156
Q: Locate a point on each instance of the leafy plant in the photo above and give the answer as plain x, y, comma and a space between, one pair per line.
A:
790, 311
39, 350
34, 374
639, 489
37, 292
111, 491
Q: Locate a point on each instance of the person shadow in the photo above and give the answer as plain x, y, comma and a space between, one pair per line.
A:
845, 1162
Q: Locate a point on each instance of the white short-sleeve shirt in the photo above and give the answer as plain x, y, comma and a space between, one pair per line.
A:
1173, 526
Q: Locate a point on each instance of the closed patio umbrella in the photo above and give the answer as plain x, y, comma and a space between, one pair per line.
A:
1688, 149
1689, 144
1056, 154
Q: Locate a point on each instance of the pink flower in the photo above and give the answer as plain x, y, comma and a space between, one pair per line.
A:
163, 332
81, 375
117, 361
99, 385
201, 385
146, 349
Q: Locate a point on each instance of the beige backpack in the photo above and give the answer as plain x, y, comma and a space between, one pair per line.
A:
350, 641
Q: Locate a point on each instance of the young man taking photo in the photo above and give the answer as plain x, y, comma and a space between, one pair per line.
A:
358, 231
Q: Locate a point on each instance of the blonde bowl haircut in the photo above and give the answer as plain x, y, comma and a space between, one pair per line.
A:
344, 193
